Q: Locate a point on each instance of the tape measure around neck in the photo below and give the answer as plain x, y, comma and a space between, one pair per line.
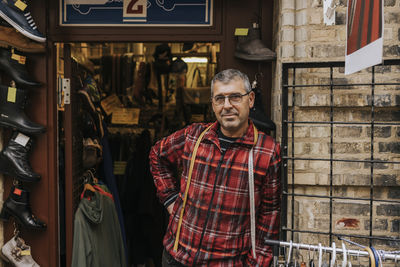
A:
251, 196
196, 146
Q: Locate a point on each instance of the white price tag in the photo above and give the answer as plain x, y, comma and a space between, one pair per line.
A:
22, 139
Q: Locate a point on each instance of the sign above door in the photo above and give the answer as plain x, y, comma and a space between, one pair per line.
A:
183, 13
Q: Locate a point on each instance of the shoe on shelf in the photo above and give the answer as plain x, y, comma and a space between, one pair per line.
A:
14, 159
251, 48
17, 205
10, 37
12, 104
16, 252
13, 63
16, 12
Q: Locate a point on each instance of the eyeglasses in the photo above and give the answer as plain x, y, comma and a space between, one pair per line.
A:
219, 100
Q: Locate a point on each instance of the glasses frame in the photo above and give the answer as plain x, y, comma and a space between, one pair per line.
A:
227, 96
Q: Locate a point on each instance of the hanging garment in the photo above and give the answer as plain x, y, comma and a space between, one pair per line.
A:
118, 75
106, 73
152, 83
113, 74
97, 235
139, 84
142, 210
106, 174
90, 86
193, 76
127, 72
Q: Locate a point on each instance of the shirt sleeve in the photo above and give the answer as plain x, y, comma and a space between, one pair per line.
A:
268, 221
165, 160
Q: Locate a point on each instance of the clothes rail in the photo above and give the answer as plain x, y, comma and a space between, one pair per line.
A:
359, 253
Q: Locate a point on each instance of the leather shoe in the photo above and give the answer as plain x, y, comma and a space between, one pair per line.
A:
12, 104
10, 37
17, 205
13, 64
16, 252
14, 159
16, 12
251, 47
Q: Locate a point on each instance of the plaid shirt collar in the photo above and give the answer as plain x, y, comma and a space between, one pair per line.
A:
247, 139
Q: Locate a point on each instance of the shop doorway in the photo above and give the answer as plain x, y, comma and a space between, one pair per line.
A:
114, 101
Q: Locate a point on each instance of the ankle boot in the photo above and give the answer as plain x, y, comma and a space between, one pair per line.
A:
13, 64
17, 205
16, 252
250, 47
14, 159
258, 115
12, 104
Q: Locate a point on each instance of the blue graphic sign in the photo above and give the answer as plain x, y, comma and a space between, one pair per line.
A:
136, 12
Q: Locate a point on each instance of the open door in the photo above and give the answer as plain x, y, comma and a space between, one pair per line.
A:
70, 149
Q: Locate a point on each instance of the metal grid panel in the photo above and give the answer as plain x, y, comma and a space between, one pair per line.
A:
291, 84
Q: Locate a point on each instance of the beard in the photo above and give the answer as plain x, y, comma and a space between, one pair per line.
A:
231, 121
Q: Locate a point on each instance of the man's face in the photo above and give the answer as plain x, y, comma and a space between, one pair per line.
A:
233, 117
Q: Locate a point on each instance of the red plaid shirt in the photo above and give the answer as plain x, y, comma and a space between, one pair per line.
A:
218, 206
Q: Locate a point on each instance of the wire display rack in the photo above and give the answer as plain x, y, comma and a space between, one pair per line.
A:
292, 83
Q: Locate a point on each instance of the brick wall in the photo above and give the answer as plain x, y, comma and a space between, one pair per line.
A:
301, 36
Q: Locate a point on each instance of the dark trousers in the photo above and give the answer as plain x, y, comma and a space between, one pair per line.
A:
169, 261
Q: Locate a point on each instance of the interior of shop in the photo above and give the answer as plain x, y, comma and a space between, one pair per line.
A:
129, 95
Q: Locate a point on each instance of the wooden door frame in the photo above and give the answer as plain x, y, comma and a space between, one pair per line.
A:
66, 34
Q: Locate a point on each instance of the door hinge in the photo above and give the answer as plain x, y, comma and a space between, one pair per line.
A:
66, 87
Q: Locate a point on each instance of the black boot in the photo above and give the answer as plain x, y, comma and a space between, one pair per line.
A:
250, 47
14, 159
12, 104
13, 64
258, 115
17, 205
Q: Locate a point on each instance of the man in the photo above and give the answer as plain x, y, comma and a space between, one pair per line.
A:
210, 212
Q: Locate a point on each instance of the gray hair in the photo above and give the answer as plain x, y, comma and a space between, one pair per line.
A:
228, 75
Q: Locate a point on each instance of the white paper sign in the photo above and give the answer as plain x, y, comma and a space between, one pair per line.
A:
329, 12
364, 46
126, 116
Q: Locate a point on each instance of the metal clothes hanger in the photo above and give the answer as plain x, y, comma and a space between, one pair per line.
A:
319, 255
289, 253
311, 259
333, 260
88, 180
297, 256
349, 259
344, 262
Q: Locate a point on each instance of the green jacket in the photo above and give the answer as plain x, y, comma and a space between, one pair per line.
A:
97, 234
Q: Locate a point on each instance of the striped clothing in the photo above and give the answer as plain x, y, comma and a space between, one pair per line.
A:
216, 221
224, 141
